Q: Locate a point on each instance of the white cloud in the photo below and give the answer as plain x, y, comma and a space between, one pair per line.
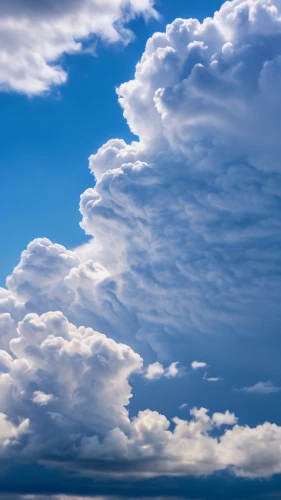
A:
35, 35
173, 370
157, 370
189, 449
186, 227
75, 378
184, 405
253, 452
261, 388
41, 272
73, 384
11, 311
211, 379
226, 418
42, 399
188, 217
10, 433
196, 365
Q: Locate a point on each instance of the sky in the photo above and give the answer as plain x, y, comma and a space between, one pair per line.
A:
140, 252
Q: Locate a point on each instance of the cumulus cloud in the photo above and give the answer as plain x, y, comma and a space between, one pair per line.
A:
254, 452
64, 393
77, 376
261, 388
226, 418
41, 271
196, 365
213, 379
186, 236
156, 370
190, 449
35, 35
173, 370
42, 399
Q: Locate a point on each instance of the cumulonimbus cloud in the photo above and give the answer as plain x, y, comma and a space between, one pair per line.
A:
186, 228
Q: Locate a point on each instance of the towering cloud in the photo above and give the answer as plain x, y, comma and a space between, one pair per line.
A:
186, 238
188, 218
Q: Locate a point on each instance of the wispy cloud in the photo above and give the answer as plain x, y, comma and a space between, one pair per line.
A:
260, 388
211, 379
184, 405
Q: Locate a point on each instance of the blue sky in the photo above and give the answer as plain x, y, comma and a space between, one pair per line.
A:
140, 336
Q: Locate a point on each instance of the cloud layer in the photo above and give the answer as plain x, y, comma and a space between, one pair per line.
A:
186, 244
35, 35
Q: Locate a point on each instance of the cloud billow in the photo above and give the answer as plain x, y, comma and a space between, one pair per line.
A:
186, 239
188, 218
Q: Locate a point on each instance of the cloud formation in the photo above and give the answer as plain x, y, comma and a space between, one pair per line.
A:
186, 238
184, 405
64, 393
261, 388
156, 370
211, 379
36, 35
197, 365
187, 218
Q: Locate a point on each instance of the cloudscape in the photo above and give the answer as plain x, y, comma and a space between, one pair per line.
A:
144, 361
